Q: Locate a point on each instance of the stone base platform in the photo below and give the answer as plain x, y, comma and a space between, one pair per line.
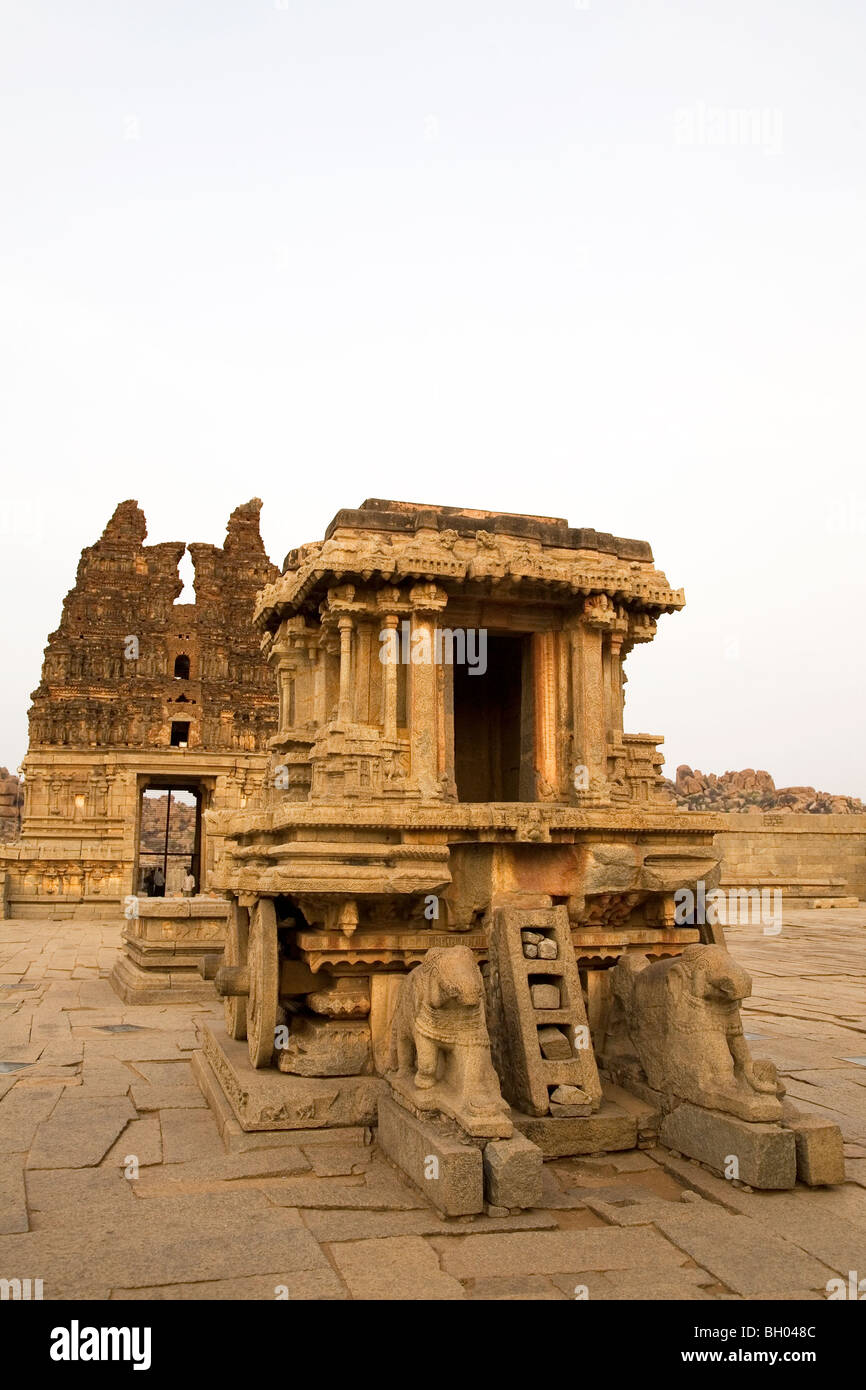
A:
430, 1103
237, 1140
42, 909
251, 1104
770, 1157
611, 1129
163, 949
137, 984
270, 1100
456, 1173
762, 1155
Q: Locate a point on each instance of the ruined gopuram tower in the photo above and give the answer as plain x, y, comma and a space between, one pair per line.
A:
141, 692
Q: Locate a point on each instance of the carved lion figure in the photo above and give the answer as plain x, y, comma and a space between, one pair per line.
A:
683, 1018
439, 1037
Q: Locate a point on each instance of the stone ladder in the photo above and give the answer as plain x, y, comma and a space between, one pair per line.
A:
529, 1076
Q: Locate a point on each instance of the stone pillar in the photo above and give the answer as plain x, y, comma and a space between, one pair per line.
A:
616, 641
599, 1001
428, 600
588, 713
285, 675
384, 989
446, 731
423, 721
319, 676
361, 679
305, 686
344, 709
389, 680
544, 679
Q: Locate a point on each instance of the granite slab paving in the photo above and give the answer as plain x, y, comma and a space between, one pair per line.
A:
332, 1219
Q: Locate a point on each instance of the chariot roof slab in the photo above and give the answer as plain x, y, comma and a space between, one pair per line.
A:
476, 552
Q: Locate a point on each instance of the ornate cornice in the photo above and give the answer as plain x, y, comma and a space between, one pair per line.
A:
500, 820
506, 564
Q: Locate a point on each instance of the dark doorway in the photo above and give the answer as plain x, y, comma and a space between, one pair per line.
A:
179, 733
489, 715
169, 842
181, 667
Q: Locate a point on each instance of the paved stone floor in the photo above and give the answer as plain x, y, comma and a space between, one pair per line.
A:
81, 1098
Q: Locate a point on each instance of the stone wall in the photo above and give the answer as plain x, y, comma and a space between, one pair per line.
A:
807, 856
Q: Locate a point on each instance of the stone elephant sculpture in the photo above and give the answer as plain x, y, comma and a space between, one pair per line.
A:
439, 1039
682, 1015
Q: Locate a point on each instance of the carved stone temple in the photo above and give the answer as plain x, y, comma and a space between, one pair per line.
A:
384, 803
146, 706
452, 793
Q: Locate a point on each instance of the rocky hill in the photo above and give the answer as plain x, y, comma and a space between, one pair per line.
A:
181, 827
750, 790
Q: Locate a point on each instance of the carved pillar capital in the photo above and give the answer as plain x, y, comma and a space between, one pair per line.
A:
427, 598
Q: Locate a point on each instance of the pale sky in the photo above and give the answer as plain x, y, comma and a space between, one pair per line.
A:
599, 261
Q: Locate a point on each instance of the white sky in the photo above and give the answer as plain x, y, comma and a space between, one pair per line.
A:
518, 255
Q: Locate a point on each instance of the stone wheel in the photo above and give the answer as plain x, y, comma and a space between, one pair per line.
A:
236, 951
264, 968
